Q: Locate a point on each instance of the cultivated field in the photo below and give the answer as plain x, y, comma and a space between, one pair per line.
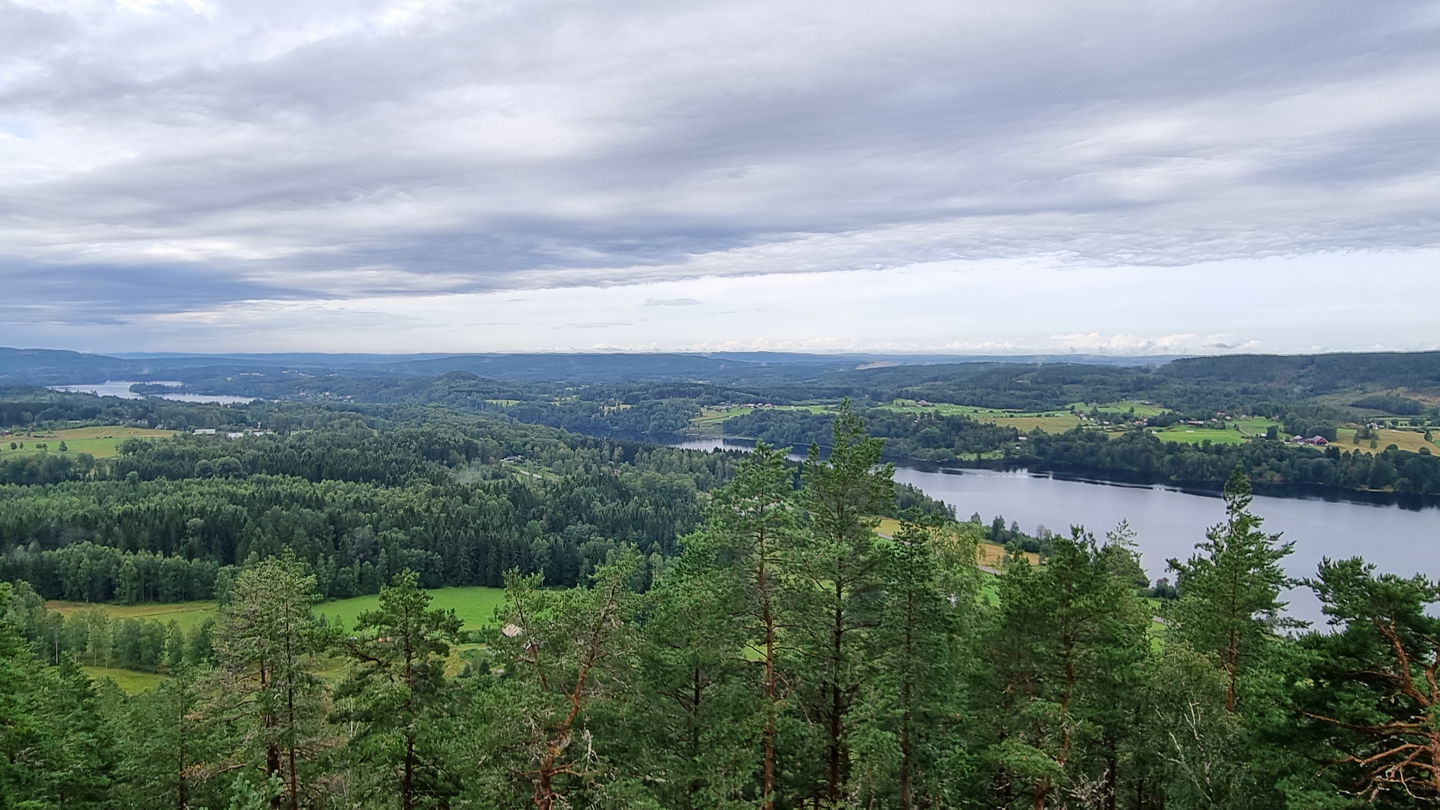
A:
185, 614
1403, 439
474, 605
129, 681
1189, 434
992, 555
100, 442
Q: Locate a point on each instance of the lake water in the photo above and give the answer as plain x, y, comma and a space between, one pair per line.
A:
121, 389
1168, 522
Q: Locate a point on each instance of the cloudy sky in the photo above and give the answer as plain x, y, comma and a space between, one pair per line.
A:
502, 175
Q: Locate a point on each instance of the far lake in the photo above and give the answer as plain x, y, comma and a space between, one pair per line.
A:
121, 389
1168, 522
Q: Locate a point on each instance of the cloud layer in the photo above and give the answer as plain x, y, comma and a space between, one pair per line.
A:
177, 170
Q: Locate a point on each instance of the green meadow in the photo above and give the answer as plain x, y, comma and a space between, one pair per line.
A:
101, 442
474, 605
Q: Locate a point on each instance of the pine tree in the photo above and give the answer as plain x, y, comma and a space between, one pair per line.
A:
265, 647
1229, 604
1370, 697
567, 656
396, 690
714, 648
1068, 647
842, 495
921, 649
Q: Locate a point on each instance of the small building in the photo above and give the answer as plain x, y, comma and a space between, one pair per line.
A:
205, 431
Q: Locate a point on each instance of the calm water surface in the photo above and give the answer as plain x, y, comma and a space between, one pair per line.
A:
1168, 522
121, 389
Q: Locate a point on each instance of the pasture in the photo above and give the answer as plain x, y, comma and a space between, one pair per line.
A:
129, 681
1056, 421
1190, 434
991, 555
711, 420
1412, 440
1141, 408
474, 605
101, 442
186, 614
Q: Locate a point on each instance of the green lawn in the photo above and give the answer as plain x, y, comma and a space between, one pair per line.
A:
100, 442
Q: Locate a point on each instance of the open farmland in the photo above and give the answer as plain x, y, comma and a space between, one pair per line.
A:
129, 681
474, 605
1412, 440
185, 614
101, 442
991, 555
1056, 421
1191, 434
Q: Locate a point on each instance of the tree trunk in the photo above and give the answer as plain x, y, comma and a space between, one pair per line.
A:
767, 618
835, 777
407, 780
905, 693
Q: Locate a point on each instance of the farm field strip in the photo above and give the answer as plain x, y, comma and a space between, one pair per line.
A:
101, 442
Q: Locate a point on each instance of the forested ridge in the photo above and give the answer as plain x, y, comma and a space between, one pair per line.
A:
617, 396
679, 630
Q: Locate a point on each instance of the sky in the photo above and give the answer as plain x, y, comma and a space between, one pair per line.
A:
654, 175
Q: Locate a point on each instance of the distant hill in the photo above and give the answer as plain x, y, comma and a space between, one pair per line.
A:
51, 367
1316, 374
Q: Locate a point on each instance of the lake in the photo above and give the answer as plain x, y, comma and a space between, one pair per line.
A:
1168, 521
121, 389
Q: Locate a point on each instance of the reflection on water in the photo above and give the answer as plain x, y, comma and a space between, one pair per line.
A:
121, 389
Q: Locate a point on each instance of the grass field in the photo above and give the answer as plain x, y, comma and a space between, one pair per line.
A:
1255, 425
1190, 434
990, 554
129, 681
1058, 421
1403, 439
100, 442
711, 421
186, 614
1141, 409
475, 606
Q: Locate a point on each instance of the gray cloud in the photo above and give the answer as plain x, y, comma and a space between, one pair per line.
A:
187, 156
